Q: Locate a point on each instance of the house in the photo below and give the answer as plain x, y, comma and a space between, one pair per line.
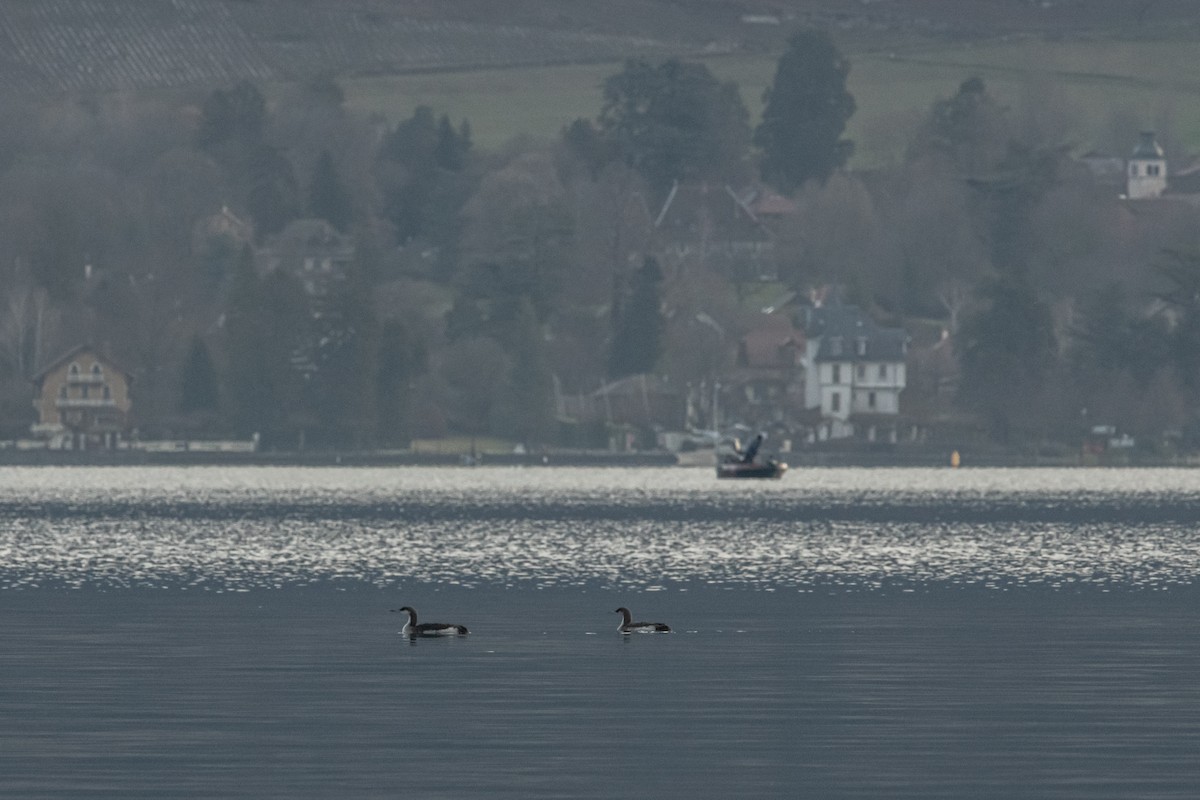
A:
855, 372
224, 224
766, 384
219, 238
728, 230
1106, 169
310, 250
82, 400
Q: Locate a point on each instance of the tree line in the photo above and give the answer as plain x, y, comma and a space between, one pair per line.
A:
485, 286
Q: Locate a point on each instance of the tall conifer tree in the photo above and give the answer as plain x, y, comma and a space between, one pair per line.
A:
638, 323
327, 197
805, 113
199, 383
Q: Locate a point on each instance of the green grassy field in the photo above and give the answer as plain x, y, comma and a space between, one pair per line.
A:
1079, 87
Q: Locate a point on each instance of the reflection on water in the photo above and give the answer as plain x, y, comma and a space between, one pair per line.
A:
245, 528
840, 633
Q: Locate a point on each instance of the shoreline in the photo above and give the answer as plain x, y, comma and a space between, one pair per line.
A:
925, 458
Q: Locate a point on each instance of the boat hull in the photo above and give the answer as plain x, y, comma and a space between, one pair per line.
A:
769, 470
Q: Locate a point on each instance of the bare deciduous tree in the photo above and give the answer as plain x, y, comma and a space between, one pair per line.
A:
28, 330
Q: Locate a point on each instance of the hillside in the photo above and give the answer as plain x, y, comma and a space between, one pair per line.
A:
73, 45
113, 45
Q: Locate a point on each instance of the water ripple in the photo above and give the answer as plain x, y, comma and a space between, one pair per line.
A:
846, 529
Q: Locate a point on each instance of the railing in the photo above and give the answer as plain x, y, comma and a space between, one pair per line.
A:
85, 377
85, 402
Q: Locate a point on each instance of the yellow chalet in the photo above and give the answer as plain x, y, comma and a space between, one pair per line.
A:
82, 400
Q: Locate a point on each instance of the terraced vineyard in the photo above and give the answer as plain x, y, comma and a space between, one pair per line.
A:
108, 45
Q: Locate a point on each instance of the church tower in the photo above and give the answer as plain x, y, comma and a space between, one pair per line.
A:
1146, 173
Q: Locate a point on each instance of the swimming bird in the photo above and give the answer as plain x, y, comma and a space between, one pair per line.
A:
629, 626
411, 628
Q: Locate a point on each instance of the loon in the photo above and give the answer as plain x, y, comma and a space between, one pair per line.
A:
411, 628
628, 626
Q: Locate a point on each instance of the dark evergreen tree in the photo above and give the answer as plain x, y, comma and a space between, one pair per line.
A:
231, 130
327, 197
345, 348
413, 140
273, 194
402, 359
1180, 269
267, 327
969, 129
451, 149
1008, 349
420, 163
469, 315
465, 142
589, 145
805, 112
1009, 195
528, 266
1121, 366
249, 397
525, 408
675, 122
199, 392
232, 114
1110, 338
638, 323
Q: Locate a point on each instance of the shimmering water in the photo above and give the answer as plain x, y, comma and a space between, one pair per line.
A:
211, 632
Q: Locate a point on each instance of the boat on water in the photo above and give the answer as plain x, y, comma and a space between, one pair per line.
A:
745, 463
757, 469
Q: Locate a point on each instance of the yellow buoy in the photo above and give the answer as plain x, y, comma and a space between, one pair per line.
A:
955, 459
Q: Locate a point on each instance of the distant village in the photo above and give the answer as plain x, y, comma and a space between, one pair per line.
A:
812, 369
210, 270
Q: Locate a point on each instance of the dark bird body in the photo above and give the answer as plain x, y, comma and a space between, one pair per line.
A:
629, 626
411, 628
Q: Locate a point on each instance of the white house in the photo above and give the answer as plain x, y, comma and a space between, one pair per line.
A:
855, 372
1146, 172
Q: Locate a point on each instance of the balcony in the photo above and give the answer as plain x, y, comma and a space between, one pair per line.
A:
85, 377
85, 402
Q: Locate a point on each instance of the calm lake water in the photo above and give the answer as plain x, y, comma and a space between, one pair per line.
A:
215, 632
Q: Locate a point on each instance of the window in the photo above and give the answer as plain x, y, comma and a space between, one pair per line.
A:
84, 390
1133, 170
870, 400
837, 373
835, 402
862, 345
62, 392
861, 372
73, 369
97, 370
1152, 169
883, 372
107, 392
835, 346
